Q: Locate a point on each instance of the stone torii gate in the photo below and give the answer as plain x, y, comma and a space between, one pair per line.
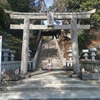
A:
43, 16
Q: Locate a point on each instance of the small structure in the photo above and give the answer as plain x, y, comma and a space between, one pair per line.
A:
5, 54
93, 54
85, 51
12, 54
70, 61
63, 48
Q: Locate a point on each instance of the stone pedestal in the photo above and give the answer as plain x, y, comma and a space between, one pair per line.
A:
5, 54
90, 76
70, 54
85, 51
10, 77
93, 53
29, 51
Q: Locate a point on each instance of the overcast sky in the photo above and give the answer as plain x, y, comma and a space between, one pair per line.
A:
48, 2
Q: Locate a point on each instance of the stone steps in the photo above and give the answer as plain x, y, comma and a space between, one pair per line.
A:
50, 86
51, 95
31, 87
53, 68
51, 74
48, 82
52, 51
45, 77
44, 81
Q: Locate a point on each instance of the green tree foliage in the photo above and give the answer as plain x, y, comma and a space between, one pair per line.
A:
19, 5
4, 19
10, 41
35, 5
66, 5
89, 5
84, 39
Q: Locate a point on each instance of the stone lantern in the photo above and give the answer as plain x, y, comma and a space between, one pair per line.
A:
63, 48
5, 54
70, 53
70, 62
12, 54
29, 51
93, 53
85, 51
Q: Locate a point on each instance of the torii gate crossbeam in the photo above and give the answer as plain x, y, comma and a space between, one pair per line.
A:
45, 27
57, 16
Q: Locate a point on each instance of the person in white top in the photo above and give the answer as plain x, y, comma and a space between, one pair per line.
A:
49, 65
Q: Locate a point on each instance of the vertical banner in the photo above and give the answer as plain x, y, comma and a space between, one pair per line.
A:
50, 19
0, 55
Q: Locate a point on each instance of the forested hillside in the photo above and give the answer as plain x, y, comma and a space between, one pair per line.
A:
87, 38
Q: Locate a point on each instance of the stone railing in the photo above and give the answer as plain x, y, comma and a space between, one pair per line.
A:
69, 64
30, 65
90, 66
58, 48
11, 66
35, 60
63, 60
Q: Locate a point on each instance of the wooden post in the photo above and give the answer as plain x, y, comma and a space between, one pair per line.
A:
25, 47
75, 52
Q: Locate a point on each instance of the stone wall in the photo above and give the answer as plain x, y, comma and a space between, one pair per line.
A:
90, 65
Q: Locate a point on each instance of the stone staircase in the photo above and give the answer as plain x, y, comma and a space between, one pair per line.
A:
49, 50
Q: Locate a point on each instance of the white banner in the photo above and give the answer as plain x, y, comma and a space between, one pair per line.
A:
0, 55
50, 19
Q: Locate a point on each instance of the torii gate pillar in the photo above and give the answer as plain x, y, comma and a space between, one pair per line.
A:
75, 52
25, 45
